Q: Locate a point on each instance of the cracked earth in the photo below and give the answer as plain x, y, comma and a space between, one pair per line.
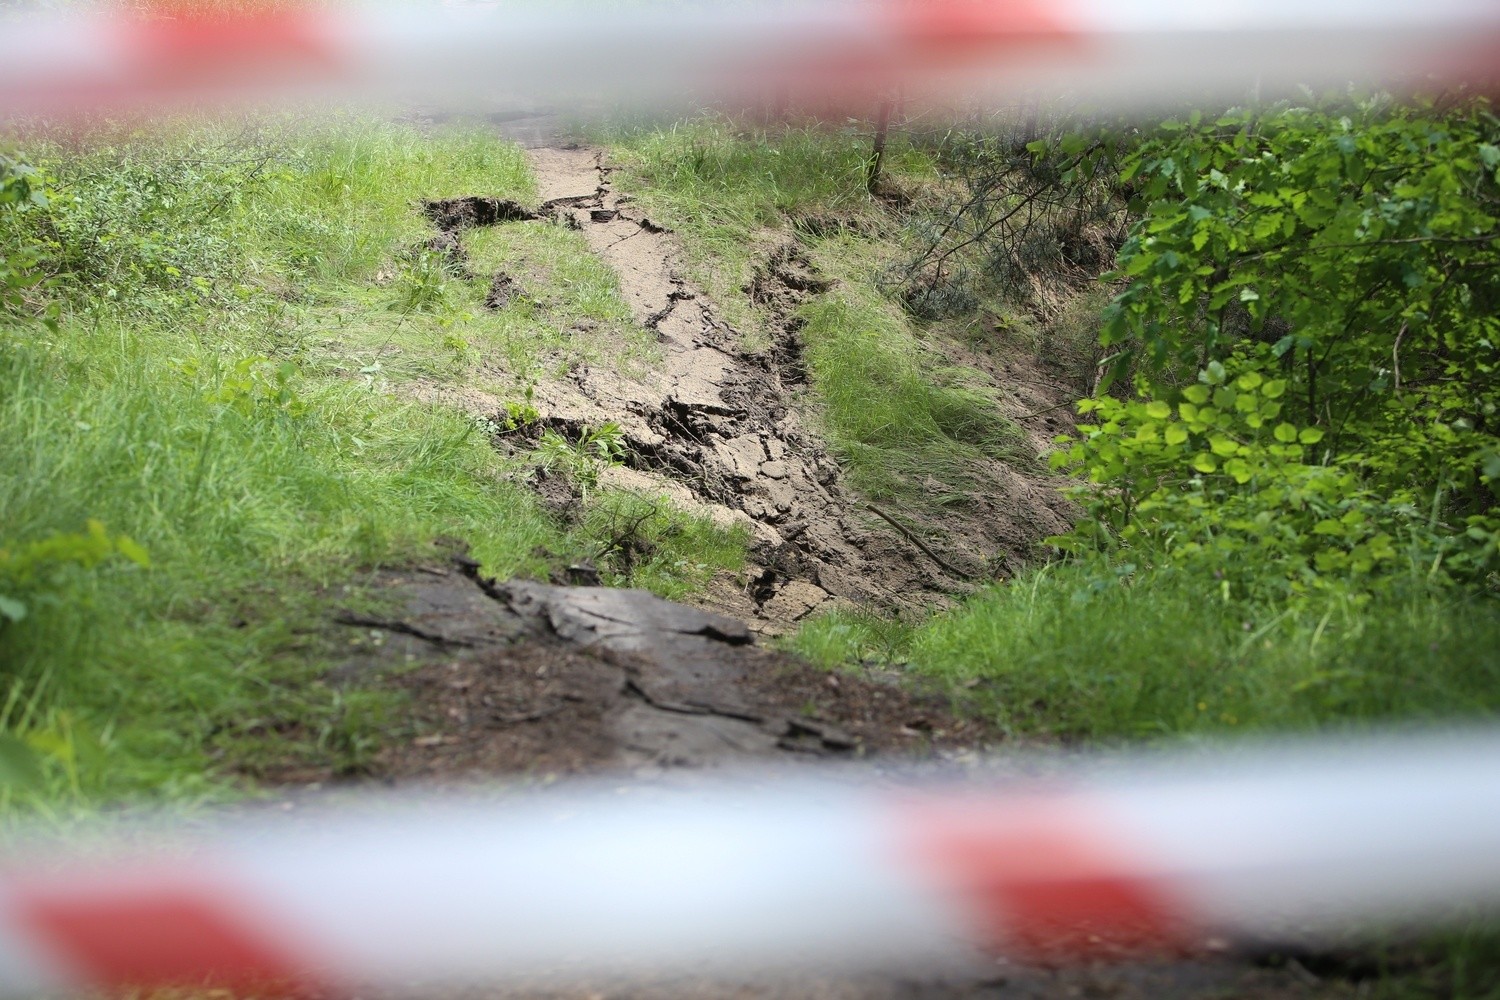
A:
723, 430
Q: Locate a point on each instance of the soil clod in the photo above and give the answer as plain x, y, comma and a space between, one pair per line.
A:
503, 291
453, 215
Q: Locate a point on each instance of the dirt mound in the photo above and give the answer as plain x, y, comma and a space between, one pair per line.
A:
503, 290
785, 280
526, 678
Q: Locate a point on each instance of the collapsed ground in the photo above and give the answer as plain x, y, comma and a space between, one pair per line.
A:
543, 680
727, 431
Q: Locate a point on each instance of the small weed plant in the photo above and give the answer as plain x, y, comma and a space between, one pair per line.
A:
583, 461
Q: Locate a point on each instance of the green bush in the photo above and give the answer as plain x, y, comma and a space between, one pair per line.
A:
1330, 276
1220, 481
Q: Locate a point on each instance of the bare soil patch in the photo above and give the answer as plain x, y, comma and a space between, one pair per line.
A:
527, 678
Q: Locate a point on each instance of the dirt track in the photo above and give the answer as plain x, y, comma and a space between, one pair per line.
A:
531, 679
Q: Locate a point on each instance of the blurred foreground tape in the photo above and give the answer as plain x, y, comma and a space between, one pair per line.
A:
1104, 53
844, 871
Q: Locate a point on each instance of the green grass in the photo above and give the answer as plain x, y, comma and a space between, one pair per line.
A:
225, 384
247, 508
644, 541
569, 309
900, 417
1084, 653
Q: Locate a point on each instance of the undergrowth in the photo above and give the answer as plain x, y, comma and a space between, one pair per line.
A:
901, 418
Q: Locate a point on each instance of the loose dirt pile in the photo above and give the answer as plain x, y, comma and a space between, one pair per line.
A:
720, 429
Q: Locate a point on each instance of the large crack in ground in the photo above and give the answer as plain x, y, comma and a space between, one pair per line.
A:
719, 428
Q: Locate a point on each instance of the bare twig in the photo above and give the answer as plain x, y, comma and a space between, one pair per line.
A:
1038, 413
1396, 355
918, 543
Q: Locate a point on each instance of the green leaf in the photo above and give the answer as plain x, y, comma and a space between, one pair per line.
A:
1274, 389
1205, 463
1222, 445
1157, 410
1239, 469
1176, 434
1196, 394
132, 550
1310, 435
1286, 433
11, 609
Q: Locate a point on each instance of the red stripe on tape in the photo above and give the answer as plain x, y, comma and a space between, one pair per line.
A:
147, 934
1044, 880
971, 27
184, 48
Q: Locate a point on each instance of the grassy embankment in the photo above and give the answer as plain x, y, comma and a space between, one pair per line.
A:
245, 323
1098, 651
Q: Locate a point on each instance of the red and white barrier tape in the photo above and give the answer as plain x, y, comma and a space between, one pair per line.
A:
1115, 53
832, 874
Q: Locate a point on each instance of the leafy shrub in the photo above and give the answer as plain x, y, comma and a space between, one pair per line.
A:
28, 573
21, 190
584, 460
256, 383
1331, 277
1357, 245
1222, 482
